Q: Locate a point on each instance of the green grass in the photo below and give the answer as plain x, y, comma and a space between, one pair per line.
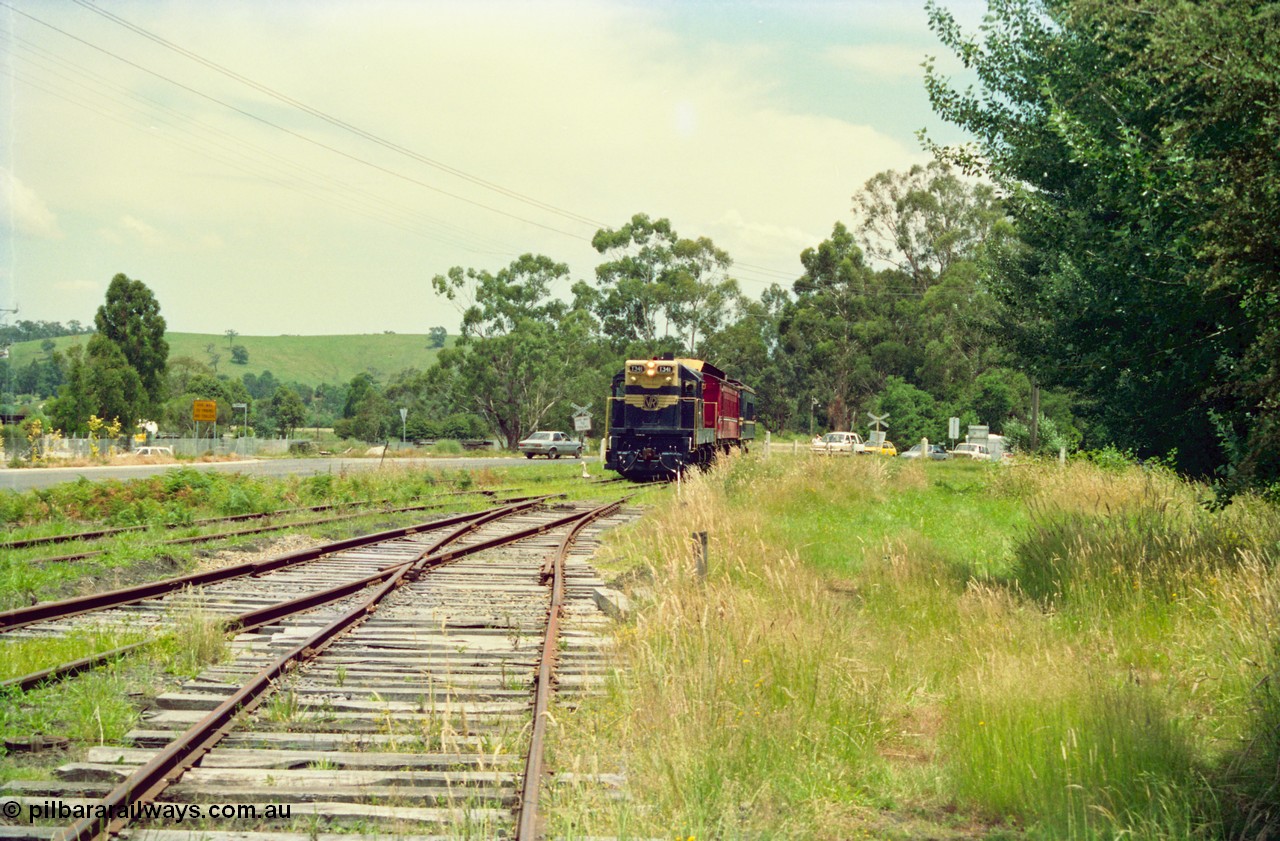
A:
24, 656
956, 514
900, 650
310, 360
180, 497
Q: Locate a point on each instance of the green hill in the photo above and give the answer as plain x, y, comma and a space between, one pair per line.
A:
305, 359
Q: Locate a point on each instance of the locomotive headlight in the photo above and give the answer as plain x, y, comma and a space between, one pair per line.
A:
652, 368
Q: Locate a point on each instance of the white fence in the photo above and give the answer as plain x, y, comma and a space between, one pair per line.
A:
76, 448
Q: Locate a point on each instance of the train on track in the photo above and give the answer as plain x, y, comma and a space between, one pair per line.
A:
666, 415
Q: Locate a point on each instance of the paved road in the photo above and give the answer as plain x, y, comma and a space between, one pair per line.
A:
22, 479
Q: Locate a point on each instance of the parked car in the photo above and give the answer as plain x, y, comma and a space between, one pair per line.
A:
974, 451
885, 448
937, 452
153, 451
837, 443
551, 445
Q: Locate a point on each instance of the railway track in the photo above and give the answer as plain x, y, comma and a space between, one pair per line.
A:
214, 537
12, 543
412, 706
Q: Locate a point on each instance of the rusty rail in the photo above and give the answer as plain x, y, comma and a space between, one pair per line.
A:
527, 820
97, 534
61, 609
145, 784
270, 614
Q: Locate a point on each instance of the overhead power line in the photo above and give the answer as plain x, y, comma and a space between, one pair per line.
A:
337, 121
276, 169
332, 149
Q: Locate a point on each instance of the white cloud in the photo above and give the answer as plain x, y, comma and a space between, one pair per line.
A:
599, 108
785, 238
24, 212
885, 61
145, 233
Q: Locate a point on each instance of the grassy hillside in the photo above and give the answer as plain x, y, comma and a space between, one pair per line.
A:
304, 359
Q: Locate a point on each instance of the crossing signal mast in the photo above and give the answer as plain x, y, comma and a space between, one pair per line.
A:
878, 421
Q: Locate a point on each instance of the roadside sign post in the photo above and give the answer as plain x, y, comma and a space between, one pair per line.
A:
404, 413
205, 411
953, 431
245, 432
581, 421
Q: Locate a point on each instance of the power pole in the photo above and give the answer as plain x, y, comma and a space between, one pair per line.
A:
1035, 416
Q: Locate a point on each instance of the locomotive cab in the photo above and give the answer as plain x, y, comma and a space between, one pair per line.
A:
666, 414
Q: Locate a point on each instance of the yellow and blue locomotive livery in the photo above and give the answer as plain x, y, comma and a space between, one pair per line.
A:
668, 414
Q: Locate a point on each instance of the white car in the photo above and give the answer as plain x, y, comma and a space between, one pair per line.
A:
974, 451
550, 444
836, 443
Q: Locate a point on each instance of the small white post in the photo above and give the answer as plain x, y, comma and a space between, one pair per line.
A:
766, 443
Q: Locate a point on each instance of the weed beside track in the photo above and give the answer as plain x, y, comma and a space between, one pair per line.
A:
949, 650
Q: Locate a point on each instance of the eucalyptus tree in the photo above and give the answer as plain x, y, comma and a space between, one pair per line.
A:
100, 381
522, 352
654, 282
824, 331
925, 220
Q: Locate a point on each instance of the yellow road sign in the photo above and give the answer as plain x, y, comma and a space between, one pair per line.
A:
204, 410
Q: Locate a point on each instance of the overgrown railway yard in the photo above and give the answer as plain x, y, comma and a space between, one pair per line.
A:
869, 648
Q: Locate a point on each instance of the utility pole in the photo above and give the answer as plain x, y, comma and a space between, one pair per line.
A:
1035, 415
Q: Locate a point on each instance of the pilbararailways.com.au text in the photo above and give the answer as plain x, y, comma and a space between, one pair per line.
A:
174, 812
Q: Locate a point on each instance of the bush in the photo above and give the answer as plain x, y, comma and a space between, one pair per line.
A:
448, 447
1110, 458
1052, 437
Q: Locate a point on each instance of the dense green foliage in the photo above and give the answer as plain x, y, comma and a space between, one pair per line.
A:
120, 376
522, 352
1137, 146
130, 318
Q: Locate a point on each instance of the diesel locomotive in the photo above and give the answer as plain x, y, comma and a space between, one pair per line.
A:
667, 414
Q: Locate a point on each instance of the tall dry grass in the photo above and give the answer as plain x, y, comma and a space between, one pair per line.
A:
821, 683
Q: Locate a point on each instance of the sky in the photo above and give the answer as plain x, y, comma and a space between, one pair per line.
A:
308, 167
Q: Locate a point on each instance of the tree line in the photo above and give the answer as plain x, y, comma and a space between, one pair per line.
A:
1106, 242
1135, 148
